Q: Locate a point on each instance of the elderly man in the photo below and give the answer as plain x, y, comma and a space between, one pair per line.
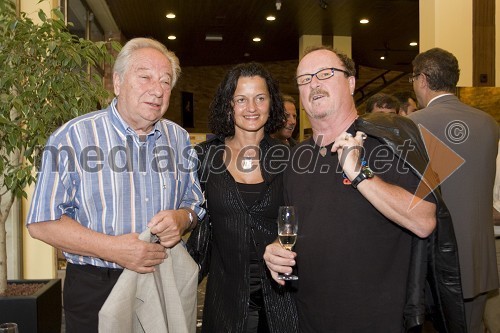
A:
359, 251
108, 175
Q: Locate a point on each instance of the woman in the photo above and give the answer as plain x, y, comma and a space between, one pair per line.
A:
242, 180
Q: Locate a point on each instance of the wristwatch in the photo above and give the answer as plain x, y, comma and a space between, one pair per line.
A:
365, 173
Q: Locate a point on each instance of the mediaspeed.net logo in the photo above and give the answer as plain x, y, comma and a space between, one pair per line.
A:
443, 160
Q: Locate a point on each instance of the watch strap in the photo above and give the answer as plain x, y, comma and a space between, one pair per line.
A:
365, 173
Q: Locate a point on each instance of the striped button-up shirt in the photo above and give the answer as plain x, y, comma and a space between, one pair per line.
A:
98, 171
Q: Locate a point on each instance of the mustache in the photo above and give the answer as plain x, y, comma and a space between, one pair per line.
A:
318, 91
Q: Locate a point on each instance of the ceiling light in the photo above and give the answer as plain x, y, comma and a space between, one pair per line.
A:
382, 58
271, 18
170, 15
413, 44
364, 21
171, 37
256, 39
213, 38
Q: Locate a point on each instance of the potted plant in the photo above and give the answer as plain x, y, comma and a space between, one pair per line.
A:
44, 82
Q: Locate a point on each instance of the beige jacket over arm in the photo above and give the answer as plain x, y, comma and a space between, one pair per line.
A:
162, 302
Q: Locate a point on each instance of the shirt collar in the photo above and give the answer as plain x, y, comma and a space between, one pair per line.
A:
447, 94
125, 128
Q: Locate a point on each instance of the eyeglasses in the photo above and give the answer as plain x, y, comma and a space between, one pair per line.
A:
322, 74
413, 77
243, 101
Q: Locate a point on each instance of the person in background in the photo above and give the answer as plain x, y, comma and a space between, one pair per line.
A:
473, 135
382, 103
360, 243
407, 102
284, 134
108, 175
242, 177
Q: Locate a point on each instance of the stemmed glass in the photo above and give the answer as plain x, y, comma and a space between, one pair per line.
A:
287, 233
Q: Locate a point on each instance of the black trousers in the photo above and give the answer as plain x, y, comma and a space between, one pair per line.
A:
257, 319
86, 288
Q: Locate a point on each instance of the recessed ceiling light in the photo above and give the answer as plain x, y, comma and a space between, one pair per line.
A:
364, 21
413, 44
170, 15
171, 37
256, 39
271, 18
213, 38
382, 58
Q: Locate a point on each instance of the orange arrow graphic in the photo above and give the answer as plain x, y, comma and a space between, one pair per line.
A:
443, 162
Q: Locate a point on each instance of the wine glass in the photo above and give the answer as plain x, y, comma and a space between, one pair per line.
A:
9, 328
287, 233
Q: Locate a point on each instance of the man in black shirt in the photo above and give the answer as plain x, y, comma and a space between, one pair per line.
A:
353, 198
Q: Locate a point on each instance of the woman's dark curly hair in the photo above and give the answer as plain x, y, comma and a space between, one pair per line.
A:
221, 117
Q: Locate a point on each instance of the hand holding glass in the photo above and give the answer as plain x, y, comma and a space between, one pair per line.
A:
287, 234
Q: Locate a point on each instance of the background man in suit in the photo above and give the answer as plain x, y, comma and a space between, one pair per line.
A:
141, 174
473, 135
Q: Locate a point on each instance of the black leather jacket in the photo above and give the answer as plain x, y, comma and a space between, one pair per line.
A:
435, 266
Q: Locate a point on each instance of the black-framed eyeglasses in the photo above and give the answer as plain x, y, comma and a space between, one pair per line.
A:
413, 77
322, 74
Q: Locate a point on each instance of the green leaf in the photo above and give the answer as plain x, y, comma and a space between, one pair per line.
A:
59, 14
42, 16
52, 45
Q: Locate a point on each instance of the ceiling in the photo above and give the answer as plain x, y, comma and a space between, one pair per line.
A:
393, 25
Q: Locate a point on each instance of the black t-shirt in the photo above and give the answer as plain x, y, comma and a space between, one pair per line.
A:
352, 262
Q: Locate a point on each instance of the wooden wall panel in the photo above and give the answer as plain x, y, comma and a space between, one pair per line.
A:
483, 43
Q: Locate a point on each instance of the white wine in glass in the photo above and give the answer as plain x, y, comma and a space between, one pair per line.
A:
287, 233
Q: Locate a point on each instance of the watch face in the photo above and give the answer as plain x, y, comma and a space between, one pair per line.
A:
368, 172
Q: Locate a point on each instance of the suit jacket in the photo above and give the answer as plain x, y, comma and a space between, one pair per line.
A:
473, 135
162, 302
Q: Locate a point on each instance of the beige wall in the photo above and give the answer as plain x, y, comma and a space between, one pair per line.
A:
448, 24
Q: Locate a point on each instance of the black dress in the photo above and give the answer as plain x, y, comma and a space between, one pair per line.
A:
240, 233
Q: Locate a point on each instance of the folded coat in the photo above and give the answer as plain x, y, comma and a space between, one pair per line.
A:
162, 302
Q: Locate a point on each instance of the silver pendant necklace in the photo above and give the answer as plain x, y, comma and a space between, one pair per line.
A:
246, 163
